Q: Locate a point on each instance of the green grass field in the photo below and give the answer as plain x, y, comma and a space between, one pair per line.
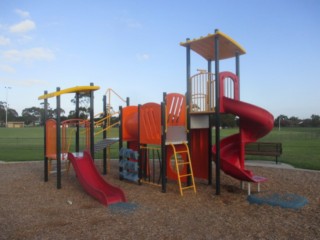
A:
27, 144
301, 146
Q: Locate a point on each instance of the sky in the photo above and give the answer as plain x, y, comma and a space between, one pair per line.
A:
133, 47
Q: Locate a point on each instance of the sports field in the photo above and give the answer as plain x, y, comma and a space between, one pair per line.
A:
301, 146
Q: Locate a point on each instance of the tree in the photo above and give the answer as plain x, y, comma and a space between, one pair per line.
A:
55, 112
315, 120
35, 115
7, 114
2, 112
294, 121
228, 120
84, 106
32, 115
83, 113
281, 120
12, 114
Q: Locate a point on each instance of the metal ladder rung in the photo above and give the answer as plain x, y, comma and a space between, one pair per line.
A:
183, 163
182, 152
188, 187
185, 175
187, 162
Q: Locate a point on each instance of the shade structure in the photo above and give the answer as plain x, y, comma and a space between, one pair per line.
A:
204, 46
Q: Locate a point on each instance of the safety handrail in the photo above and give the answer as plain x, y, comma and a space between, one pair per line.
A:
107, 128
106, 118
202, 92
66, 140
229, 87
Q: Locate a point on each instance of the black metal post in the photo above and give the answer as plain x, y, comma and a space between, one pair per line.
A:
128, 104
120, 130
104, 134
142, 154
91, 123
163, 147
45, 115
188, 83
58, 108
217, 123
238, 69
188, 102
77, 127
210, 128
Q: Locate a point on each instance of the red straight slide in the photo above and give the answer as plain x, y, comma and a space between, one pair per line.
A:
92, 181
255, 123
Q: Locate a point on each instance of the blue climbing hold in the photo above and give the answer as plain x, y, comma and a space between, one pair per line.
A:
284, 200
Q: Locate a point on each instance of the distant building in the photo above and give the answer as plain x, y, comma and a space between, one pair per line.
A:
15, 124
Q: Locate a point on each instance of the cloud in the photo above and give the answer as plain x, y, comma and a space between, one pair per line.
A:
24, 39
4, 41
33, 82
7, 68
143, 56
29, 55
21, 13
22, 27
25, 82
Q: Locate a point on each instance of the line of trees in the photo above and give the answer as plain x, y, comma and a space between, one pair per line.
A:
34, 116
284, 121
229, 120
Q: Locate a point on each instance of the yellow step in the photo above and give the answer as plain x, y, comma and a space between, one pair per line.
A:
183, 163
188, 162
182, 152
185, 175
188, 187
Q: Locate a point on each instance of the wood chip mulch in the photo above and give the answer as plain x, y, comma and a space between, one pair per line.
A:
33, 209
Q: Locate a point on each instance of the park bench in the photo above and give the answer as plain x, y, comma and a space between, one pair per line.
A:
264, 149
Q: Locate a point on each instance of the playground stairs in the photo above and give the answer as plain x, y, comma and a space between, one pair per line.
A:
104, 143
187, 163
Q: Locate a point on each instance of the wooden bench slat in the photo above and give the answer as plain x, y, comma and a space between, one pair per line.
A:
264, 149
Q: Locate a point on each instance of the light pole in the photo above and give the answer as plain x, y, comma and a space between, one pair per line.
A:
7, 88
280, 118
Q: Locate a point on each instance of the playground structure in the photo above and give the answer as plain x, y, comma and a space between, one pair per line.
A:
210, 95
171, 140
57, 146
162, 128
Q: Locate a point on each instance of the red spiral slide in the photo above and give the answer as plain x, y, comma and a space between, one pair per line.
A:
255, 123
92, 181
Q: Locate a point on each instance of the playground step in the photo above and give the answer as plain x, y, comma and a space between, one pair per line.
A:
182, 152
187, 163
188, 187
185, 175
104, 143
183, 163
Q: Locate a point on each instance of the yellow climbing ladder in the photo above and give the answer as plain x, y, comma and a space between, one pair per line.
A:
184, 163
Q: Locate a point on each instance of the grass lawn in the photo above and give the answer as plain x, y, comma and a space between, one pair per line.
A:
21, 144
26, 144
301, 146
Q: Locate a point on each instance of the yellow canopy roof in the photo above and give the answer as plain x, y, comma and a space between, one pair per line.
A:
80, 89
204, 46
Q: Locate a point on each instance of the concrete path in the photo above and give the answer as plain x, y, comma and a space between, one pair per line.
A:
272, 164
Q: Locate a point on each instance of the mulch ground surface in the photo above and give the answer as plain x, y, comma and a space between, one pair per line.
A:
33, 209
